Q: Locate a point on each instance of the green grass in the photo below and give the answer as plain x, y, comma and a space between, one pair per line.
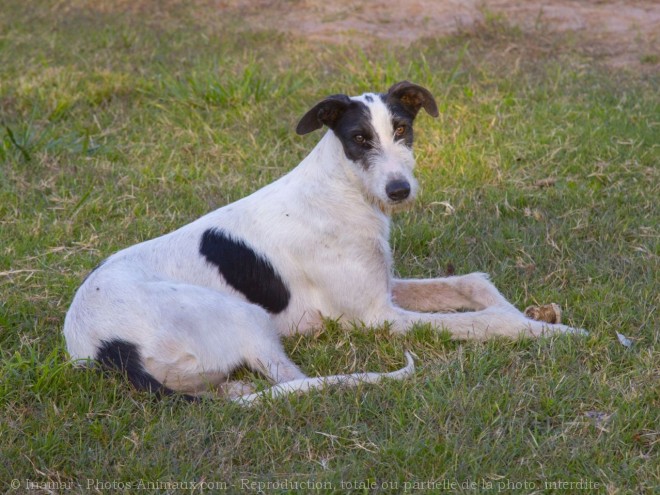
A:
118, 127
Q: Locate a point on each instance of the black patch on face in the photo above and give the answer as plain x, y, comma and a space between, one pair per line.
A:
353, 124
122, 356
245, 270
368, 98
401, 116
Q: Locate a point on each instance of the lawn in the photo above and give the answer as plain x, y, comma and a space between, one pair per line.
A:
543, 170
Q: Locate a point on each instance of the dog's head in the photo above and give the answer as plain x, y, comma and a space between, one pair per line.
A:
376, 133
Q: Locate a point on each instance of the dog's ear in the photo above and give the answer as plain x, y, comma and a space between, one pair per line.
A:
412, 97
326, 112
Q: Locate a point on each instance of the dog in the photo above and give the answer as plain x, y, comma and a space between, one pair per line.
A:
181, 312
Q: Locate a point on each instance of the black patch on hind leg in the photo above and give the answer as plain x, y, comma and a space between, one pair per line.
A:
123, 356
246, 271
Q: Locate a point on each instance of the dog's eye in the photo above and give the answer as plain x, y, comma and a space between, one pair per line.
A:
359, 139
400, 131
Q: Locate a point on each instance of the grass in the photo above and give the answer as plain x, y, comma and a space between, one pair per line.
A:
119, 126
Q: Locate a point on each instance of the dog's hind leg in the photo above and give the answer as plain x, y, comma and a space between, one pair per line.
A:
202, 336
195, 337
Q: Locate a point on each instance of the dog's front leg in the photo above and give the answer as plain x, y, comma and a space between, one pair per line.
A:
466, 292
478, 325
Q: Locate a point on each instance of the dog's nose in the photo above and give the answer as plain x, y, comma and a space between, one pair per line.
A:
398, 190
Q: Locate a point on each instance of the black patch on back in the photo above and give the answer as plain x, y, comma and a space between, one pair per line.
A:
356, 121
246, 271
122, 356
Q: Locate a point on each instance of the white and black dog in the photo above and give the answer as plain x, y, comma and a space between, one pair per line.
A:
181, 312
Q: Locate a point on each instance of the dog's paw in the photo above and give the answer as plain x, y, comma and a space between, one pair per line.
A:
551, 314
575, 331
546, 329
237, 388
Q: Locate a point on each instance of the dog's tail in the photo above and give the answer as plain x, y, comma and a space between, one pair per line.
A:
306, 384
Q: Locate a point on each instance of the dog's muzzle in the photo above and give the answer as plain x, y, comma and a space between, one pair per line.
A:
397, 190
